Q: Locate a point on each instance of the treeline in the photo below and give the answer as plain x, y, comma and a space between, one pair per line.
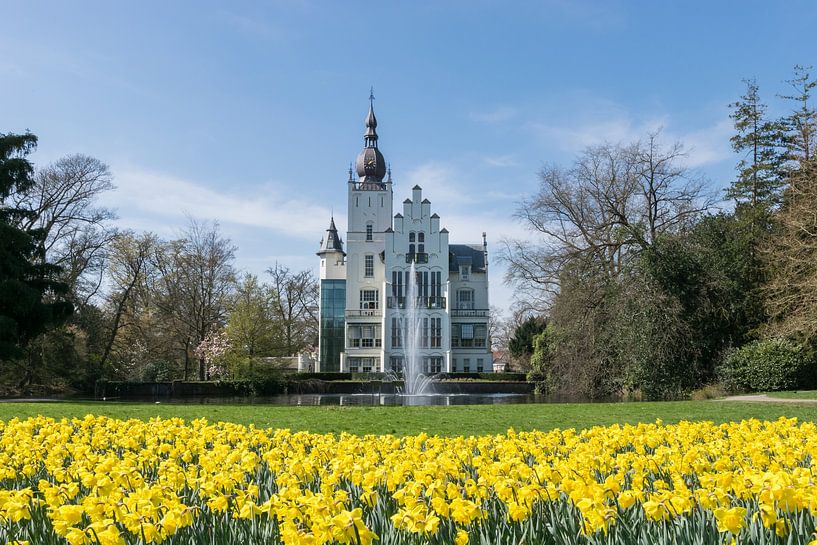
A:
641, 284
81, 299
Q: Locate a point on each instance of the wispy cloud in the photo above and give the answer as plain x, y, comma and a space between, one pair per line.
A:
609, 122
495, 116
500, 161
255, 26
154, 200
441, 183
708, 145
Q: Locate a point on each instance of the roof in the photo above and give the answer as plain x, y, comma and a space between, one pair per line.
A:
331, 242
466, 254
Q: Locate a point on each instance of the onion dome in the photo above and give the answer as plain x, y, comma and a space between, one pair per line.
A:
371, 166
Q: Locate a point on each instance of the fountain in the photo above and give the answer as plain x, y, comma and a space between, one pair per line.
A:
415, 380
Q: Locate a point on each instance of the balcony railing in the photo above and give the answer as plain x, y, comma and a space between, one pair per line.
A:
364, 312
417, 257
469, 313
422, 302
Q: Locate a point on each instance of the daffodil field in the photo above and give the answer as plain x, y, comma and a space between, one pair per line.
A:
110, 482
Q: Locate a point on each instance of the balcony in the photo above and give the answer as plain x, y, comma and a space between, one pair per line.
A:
469, 313
422, 302
376, 312
417, 257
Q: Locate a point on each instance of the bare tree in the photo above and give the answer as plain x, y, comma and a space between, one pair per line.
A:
295, 305
130, 262
63, 204
791, 257
601, 212
195, 276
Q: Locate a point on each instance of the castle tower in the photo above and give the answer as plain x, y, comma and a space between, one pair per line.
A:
331, 338
369, 216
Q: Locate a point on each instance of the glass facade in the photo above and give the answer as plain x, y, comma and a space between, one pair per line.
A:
333, 307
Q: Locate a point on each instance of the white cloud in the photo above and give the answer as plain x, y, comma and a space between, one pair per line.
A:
441, 183
495, 116
154, 201
708, 145
500, 161
613, 124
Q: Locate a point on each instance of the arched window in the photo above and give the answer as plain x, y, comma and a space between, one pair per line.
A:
421, 237
411, 236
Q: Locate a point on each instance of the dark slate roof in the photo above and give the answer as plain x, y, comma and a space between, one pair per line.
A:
398, 215
407, 201
331, 242
426, 201
434, 215
466, 254
417, 187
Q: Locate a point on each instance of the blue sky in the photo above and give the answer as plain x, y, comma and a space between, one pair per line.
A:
250, 112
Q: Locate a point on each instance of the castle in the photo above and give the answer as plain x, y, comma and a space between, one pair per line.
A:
363, 290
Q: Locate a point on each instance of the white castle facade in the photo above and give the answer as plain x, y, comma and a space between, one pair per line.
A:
364, 288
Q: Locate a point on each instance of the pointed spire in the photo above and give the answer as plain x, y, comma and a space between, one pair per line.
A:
371, 166
370, 136
351, 174
331, 241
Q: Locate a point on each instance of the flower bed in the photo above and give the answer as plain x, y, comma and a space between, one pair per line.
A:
104, 481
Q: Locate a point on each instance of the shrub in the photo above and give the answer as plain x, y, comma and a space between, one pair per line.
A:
768, 365
320, 376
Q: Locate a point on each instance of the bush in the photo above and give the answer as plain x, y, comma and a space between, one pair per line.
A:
497, 377
320, 376
768, 365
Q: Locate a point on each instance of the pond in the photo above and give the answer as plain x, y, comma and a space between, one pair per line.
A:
368, 399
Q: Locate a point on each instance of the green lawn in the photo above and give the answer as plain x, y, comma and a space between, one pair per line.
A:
454, 420
797, 394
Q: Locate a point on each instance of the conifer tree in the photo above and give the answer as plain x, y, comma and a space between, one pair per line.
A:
800, 126
30, 297
757, 189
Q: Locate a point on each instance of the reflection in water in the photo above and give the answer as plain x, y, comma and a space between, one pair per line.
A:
368, 399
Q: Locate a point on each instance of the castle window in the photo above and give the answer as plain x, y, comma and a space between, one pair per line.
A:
369, 300
368, 266
465, 271
396, 333
411, 236
369, 229
421, 248
436, 332
433, 364
364, 336
465, 299
411, 249
480, 365
466, 365
421, 237
396, 363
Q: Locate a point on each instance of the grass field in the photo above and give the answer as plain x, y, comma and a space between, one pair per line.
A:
447, 421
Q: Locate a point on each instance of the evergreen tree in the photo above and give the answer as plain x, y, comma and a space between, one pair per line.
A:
521, 344
800, 126
756, 190
30, 297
